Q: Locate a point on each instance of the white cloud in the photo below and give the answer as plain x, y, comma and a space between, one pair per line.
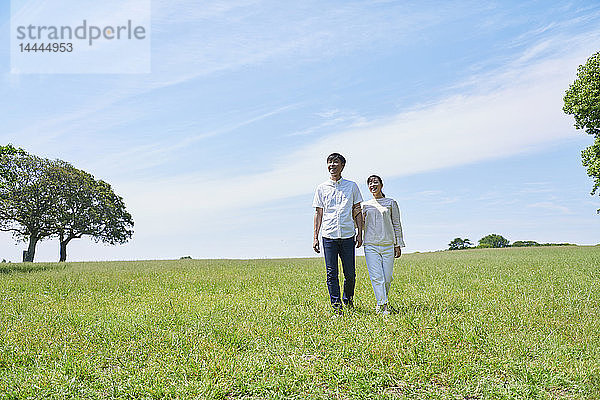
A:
156, 153
332, 119
551, 207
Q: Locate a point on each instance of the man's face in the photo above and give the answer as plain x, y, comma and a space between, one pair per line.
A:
335, 166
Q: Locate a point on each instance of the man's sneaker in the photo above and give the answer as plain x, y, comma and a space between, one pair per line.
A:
350, 304
337, 308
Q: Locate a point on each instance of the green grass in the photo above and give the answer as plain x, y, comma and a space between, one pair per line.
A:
474, 324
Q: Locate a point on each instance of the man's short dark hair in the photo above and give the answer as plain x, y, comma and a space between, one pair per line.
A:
336, 156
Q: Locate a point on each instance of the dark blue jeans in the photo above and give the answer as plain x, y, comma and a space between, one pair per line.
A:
344, 248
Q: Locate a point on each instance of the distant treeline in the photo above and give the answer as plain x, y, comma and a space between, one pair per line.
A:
494, 240
531, 243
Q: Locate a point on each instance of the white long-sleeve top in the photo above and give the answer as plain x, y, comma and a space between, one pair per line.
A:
382, 222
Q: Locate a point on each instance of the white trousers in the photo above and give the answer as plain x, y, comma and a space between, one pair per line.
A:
380, 263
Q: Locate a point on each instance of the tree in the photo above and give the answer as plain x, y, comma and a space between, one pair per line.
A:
86, 206
582, 100
26, 197
459, 244
493, 240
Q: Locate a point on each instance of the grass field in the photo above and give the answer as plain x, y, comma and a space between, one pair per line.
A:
475, 324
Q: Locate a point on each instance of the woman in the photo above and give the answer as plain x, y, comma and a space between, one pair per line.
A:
382, 241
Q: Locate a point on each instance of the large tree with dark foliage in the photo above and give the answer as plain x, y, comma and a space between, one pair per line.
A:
493, 240
582, 100
459, 244
86, 206
27, 197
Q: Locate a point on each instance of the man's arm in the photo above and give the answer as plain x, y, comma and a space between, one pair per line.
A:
318, 221
359, 221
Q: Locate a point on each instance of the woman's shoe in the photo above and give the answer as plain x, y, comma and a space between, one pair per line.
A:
384, 310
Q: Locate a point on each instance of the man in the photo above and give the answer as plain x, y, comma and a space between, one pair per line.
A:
337, 211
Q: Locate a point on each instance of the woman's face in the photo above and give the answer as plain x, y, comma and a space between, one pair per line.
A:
375, 186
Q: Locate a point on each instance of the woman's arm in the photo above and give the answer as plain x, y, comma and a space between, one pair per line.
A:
399, 239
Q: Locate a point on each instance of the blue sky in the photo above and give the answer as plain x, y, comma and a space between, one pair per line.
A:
457, 105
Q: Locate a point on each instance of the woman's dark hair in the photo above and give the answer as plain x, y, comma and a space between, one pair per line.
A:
338, 156
375, 177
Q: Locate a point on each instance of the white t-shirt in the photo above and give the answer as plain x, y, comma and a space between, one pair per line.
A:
382, 222
336, 198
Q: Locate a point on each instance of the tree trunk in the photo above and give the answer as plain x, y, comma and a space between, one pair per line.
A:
63, 252
63, 247
33, 239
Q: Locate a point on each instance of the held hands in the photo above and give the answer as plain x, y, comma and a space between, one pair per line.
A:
397, 251
316, 245
358, 240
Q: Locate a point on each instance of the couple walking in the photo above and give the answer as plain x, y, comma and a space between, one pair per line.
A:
341, 218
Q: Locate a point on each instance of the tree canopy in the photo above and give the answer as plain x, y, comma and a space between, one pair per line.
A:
582, 100
459, 244
493, 240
